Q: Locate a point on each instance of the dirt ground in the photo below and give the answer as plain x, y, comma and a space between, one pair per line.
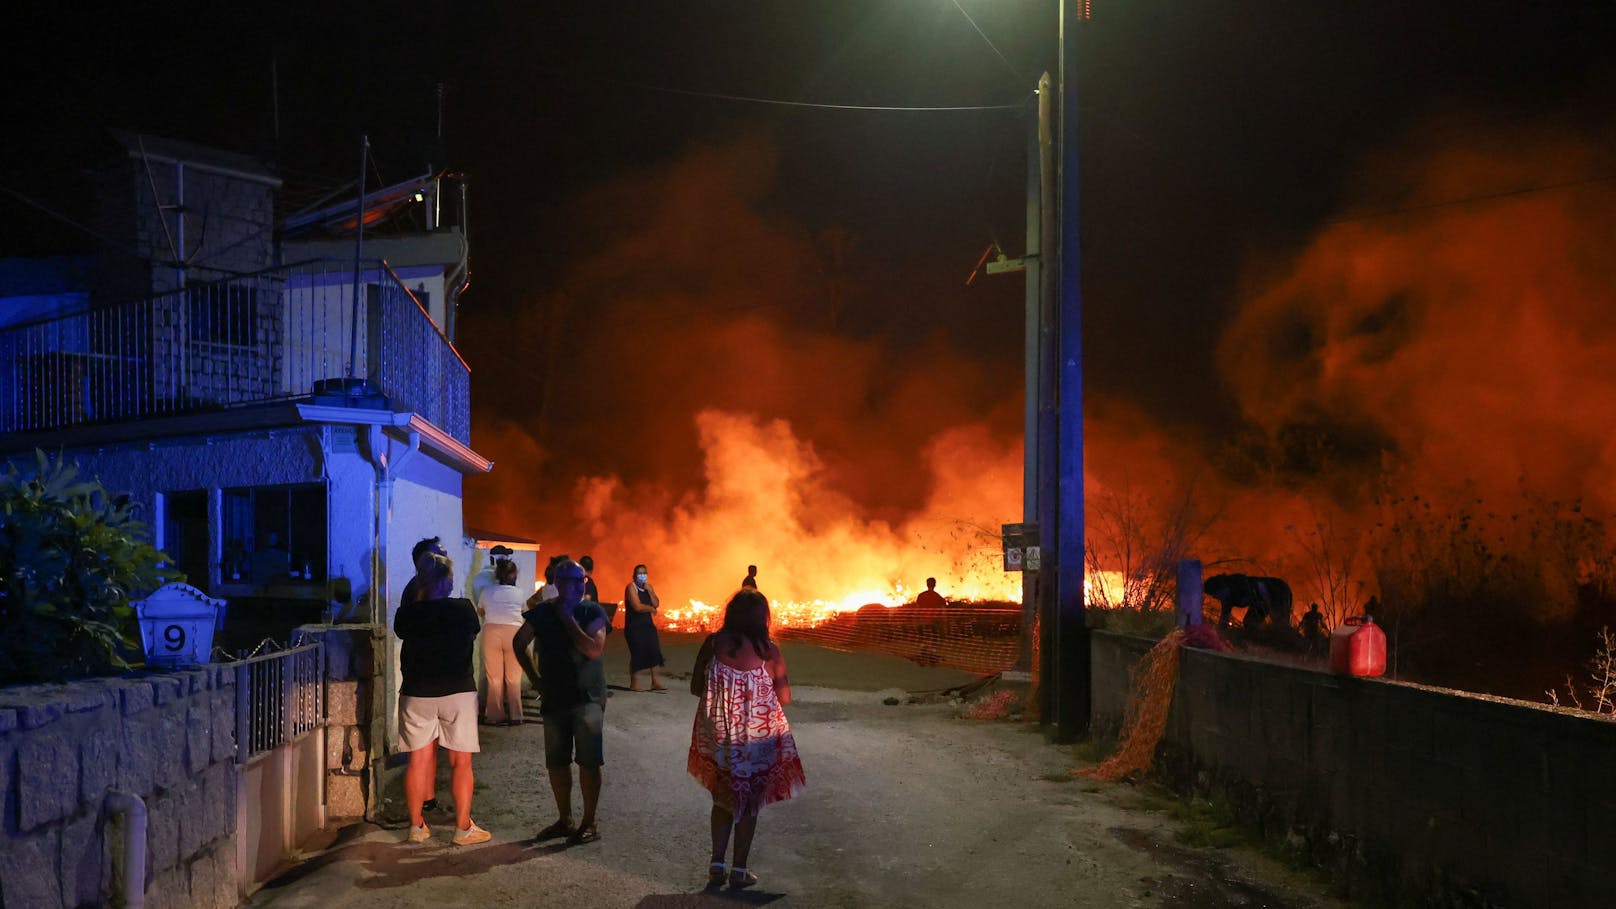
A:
910, 805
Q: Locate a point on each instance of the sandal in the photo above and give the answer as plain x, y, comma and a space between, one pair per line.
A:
584, 835
716, 874
562, 827
740, 877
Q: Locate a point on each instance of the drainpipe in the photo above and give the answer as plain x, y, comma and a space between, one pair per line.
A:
134, 845
386, 469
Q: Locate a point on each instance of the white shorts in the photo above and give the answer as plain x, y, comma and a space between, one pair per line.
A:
451, 719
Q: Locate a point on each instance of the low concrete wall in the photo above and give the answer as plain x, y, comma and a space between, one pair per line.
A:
1410, 795
168, 738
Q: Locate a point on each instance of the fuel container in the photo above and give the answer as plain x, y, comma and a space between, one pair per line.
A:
1358, 647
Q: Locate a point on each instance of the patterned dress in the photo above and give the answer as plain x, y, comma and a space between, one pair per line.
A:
741, 748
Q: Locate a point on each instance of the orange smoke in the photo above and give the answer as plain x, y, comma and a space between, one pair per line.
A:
1448, 371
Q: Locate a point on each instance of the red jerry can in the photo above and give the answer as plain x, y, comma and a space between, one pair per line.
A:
1358, 647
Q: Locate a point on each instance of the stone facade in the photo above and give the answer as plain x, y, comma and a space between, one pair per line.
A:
1406, 794
168, 738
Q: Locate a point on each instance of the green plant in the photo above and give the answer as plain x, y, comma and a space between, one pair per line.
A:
72, 556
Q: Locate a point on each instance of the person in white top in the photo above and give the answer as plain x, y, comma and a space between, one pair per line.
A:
501, 604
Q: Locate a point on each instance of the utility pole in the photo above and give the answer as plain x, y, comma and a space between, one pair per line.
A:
1070, 669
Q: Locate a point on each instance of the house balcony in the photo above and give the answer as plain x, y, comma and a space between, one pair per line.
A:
288, 333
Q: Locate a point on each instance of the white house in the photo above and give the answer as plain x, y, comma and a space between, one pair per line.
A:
290, 438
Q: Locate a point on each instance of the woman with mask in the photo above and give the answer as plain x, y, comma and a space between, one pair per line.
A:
644, 650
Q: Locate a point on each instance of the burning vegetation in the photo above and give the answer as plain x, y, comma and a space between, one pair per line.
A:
1426, 400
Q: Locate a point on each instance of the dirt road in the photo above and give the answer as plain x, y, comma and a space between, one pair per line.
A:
907, 806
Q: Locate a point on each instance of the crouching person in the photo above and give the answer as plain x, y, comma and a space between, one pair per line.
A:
438, 696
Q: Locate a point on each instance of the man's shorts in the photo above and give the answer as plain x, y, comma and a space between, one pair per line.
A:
579, 729
451, 719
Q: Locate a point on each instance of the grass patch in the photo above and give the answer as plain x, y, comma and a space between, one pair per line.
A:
1208, 824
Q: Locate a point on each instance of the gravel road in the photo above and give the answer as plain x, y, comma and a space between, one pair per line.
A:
907, 806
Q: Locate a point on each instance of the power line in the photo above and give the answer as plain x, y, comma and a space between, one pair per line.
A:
1020, 79
781, 102
1467, 200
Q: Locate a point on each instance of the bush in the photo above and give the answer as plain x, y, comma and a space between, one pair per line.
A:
72, 556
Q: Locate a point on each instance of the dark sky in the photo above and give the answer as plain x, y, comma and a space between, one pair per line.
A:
1214, 136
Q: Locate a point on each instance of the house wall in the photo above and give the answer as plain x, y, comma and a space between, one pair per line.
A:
1410, 795
168, 738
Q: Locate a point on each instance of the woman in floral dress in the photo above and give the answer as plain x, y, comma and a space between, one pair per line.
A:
741, 749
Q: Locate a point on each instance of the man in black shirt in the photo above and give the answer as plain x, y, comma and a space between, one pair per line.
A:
571, 636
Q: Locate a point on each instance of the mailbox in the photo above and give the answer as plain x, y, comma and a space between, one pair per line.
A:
176, 625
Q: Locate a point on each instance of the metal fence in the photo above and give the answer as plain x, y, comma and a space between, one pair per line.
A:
282, 333
280, 698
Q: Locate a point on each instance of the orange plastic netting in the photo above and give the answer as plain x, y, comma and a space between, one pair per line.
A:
1145, 718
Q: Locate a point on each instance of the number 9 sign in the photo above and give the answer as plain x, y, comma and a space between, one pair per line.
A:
176, 625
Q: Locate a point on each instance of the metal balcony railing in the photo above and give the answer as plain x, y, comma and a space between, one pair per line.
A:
279, 334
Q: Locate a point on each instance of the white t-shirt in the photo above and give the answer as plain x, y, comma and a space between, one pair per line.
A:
502, 604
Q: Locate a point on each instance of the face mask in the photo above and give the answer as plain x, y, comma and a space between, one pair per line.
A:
640, 578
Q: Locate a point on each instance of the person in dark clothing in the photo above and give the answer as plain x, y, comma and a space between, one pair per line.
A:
592, 593
639, 630
438, 697
1314, 632
420, 557
750, 581
571, 678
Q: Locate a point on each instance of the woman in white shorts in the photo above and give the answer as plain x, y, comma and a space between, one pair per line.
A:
438, 697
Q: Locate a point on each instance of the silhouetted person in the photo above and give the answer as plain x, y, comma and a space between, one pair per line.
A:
931, 607
1313, 631
750, 581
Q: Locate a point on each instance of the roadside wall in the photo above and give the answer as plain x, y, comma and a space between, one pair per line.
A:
353, 703
1408, 794
168, 738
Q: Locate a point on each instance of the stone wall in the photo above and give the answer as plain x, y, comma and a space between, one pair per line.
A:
166, 737
353, 705
1407, 794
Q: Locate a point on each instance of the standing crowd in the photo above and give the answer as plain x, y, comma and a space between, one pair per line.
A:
741, 748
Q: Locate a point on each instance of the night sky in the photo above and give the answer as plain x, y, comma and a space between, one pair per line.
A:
640, 255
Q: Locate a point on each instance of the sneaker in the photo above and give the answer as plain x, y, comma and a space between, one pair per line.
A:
472, 835
419, 834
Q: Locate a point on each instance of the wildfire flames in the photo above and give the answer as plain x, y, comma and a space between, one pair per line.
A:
1454, 362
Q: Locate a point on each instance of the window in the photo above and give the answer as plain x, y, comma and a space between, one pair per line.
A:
273, 534
223, 314
185, 535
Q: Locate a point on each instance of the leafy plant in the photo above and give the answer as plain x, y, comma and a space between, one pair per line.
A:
72, 556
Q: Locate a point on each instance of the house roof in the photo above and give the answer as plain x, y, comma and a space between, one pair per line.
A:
172, 151
489, 539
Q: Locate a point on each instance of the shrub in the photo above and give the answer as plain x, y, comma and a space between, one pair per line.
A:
72, 556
